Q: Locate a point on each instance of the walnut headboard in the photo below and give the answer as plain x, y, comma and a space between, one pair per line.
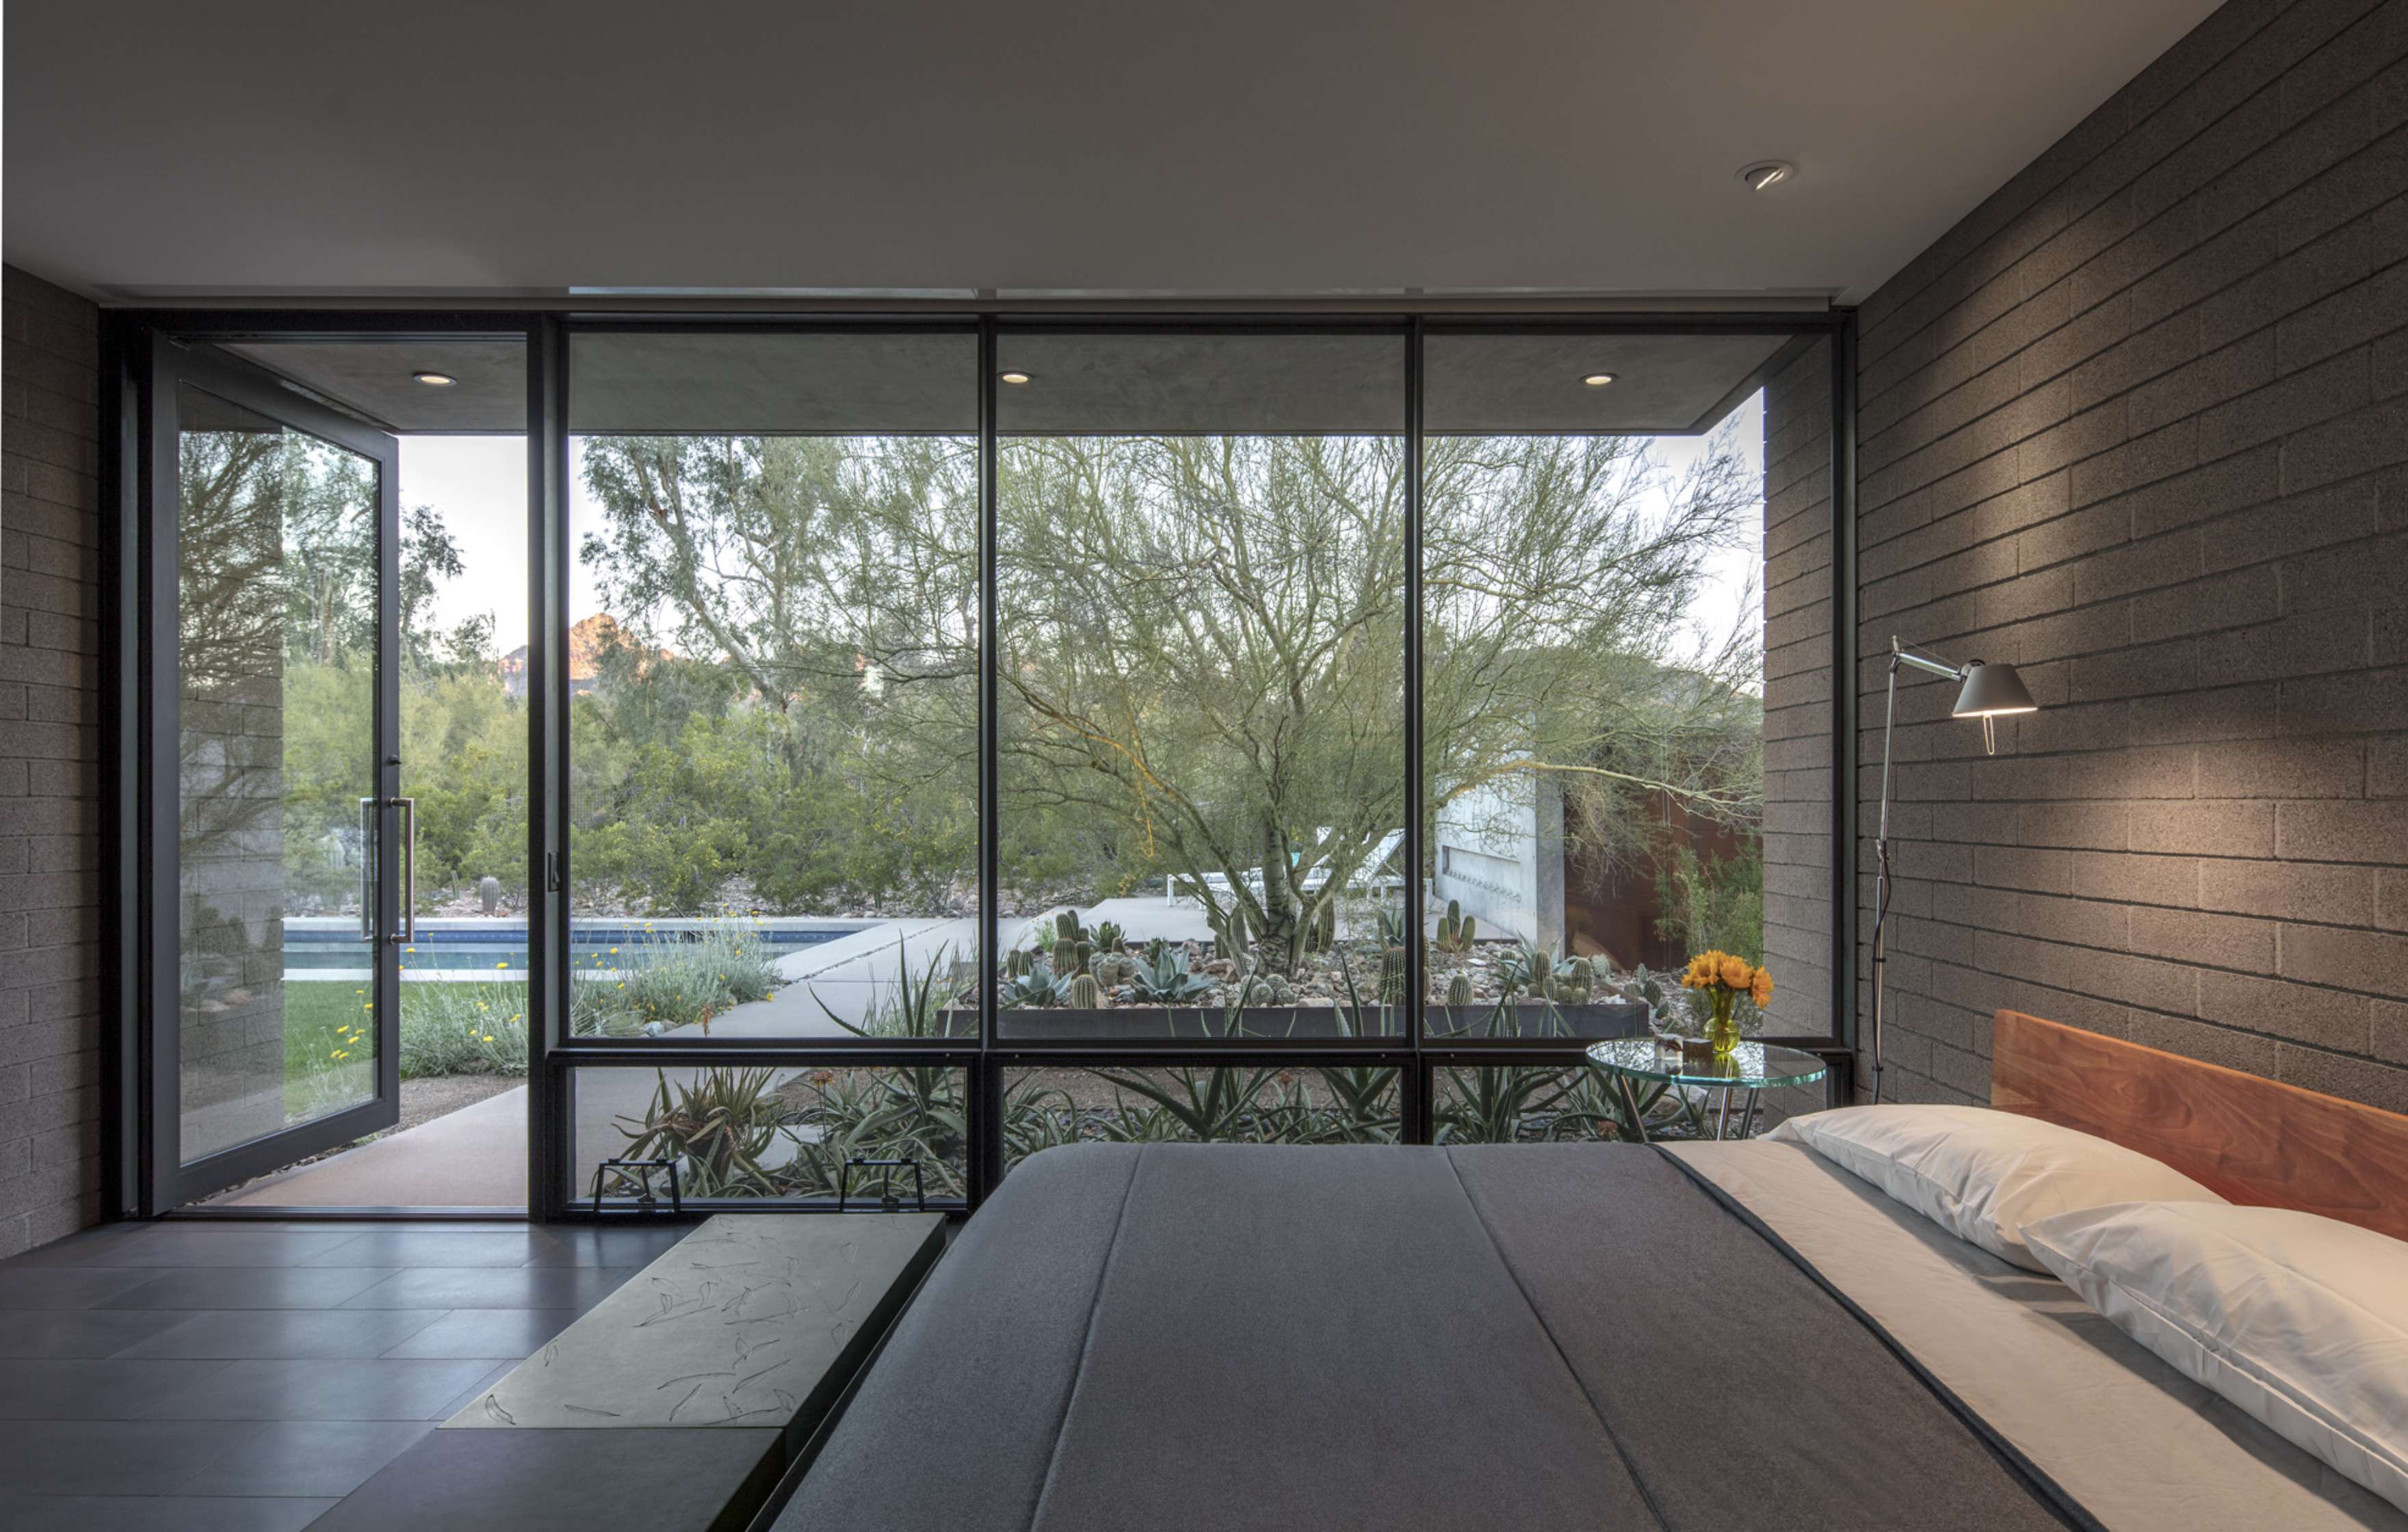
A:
2252, 1140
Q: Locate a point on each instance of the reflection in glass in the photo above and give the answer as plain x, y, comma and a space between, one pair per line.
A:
277, 604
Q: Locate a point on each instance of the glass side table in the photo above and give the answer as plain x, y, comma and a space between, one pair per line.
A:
1752, 1067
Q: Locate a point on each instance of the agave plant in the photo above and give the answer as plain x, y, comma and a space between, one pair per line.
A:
1164, 980
719, 1127
1036, 988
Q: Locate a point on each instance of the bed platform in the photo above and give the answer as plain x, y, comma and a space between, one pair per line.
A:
1708, 1336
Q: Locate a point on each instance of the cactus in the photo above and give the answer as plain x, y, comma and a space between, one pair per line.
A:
1455, 928
1085, 994
1458, 990
1020, 962
1570, 985
1112, 969
1229, 936
1323, 933
1392, 976
1266, 989
1109, 937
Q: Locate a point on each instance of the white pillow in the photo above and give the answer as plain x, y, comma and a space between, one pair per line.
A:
2300, 1321
1982, 1174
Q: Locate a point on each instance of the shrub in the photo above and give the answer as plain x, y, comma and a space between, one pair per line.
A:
463, 1030
660, 983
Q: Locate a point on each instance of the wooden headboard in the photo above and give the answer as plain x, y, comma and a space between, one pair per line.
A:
2251, 1140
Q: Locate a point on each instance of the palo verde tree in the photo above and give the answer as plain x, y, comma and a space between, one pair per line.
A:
1202, 650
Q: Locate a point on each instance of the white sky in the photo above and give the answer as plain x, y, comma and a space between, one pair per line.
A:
478, 485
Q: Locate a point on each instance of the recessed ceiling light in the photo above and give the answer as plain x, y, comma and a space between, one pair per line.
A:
1013, 376
1764, 174
435, 379
1597, 379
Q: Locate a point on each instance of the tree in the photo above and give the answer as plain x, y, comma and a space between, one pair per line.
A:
1202, 636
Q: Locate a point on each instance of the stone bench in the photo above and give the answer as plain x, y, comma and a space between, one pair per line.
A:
678, 1401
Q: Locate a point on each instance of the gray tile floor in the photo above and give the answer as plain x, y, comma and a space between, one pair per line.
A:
230, 1377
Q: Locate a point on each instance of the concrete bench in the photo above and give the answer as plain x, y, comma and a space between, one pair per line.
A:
679, 1400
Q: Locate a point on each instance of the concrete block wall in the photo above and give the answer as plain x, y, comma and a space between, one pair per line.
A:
2139, 424
50, 888
1797, 790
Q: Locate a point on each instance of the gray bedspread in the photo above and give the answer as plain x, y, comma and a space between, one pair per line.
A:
1519, 1337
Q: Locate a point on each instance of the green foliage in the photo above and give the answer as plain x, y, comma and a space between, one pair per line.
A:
720, 1126
1714, 902
1085, 994
1455, 929
660, 983
1164, 978
1458, 990
1034, 990
463, 1030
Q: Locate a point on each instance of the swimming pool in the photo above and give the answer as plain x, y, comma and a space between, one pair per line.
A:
467, 945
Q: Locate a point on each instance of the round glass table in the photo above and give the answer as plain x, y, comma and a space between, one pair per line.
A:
1752, 1067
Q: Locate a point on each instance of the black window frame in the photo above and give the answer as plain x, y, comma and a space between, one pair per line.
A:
135, 647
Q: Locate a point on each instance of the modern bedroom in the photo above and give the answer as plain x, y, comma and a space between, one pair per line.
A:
795, 770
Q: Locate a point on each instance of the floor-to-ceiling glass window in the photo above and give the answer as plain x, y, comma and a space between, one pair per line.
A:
1200, 727
772, 658
1612, 677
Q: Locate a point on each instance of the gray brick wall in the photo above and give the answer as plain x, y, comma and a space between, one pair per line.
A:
2140, 425
1797, 693
49, 763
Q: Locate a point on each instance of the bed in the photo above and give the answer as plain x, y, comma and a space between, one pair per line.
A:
1708, 1336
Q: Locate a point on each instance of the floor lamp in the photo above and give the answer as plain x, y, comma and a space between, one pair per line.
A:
1989, 692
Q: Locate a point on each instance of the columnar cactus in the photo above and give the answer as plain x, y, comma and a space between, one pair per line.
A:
1086, 951
1020, 962
1085, 994
1455, 928
1392, 976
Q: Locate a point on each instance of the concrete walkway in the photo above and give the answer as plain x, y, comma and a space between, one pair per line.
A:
475, 1157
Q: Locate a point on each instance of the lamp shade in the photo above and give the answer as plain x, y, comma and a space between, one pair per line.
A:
1991, 689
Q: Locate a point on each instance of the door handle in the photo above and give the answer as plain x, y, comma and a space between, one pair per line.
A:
368, 869
409, 931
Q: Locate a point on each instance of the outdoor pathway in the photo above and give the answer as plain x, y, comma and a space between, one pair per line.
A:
475, 1157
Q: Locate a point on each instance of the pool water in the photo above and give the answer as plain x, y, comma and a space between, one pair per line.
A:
505, 947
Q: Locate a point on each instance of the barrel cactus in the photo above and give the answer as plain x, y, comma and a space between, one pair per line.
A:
1458, 990
1085, 994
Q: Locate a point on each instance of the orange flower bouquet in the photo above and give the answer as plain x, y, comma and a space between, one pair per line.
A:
1723, 978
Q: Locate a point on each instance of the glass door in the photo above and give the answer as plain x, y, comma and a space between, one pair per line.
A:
273, 712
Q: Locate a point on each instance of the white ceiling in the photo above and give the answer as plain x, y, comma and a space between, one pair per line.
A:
1243, 149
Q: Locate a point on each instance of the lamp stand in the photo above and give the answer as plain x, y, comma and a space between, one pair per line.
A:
1901, 654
